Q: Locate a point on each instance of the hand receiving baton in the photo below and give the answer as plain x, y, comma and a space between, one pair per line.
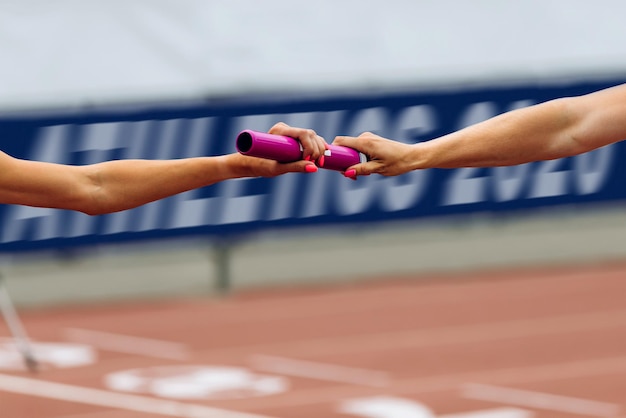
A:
285, 149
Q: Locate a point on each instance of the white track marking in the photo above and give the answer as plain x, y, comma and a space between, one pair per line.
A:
539, 400
129, 344
110, 413
385, 407
320, 371
393, 407
97, 397
446, 382
493, 413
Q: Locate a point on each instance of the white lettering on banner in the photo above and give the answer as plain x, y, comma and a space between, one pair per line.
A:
592, 169
24, 222
355, 198
236, 206
317, 196
509, 181
97, 141
548, 181
51, 144
282, 202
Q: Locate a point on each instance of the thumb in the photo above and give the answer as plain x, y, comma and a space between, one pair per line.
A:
347, 141
361, 169
299, 167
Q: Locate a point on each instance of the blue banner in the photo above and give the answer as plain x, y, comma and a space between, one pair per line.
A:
244, 205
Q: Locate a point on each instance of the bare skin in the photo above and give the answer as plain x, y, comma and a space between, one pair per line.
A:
114, 186
555, 129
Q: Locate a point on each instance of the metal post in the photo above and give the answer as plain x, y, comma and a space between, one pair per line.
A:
12, 320
222, 255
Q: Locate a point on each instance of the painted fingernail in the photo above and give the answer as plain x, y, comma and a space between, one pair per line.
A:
310, 168
350, 173
321, 161
307, 158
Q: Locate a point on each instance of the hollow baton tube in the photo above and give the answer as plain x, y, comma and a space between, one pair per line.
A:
285, 149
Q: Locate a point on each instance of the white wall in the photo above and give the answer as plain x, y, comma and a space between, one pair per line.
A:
76, 52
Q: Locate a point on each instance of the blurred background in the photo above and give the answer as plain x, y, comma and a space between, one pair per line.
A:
89, 81
83, 82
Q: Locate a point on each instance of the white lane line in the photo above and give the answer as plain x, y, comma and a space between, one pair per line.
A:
493, 413
434, 337
320, 371
109, 413
539, 400
128, 344
446, 382
97, 397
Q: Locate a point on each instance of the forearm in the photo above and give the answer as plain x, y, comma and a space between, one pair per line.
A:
125, 184
113, 185
540, 132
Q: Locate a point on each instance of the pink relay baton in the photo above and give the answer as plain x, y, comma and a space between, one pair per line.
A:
285, 149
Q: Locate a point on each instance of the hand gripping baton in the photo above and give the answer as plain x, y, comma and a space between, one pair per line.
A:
285, 149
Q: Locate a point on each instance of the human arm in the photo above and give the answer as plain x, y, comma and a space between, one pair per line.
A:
554, 129
113, 186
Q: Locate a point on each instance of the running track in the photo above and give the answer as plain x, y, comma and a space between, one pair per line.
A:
529, 343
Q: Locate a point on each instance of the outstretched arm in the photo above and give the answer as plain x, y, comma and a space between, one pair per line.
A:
554, 129
124, 184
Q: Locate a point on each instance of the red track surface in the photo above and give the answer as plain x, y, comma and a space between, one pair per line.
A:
402, 343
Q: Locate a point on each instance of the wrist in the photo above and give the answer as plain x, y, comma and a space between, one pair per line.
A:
420, 156
227, 166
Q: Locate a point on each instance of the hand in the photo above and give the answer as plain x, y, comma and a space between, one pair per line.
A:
313, 149
313, 145
386, 157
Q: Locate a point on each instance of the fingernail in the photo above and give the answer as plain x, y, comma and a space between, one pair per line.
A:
321, 161
307, 158
350, 173
310, 168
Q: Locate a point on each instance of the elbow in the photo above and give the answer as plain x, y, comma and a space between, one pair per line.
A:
92, 196
92, 207
93, 211
573, 139
92, 201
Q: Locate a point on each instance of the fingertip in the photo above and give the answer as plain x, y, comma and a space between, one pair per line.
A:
310, 168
